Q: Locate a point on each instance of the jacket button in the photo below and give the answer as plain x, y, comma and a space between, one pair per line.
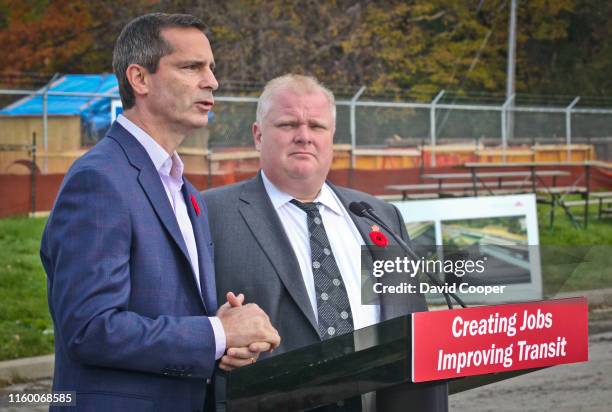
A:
208, 381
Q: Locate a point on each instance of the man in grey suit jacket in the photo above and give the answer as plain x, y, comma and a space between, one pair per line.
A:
267, 230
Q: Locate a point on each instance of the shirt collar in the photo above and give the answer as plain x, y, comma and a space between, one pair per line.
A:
279, 198
173, 167
162, 161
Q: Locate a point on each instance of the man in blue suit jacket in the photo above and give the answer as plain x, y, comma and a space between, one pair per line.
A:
127, 247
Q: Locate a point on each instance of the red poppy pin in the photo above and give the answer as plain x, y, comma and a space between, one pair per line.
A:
194, 202
378, 237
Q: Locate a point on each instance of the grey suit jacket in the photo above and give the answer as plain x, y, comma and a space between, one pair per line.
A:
253, 256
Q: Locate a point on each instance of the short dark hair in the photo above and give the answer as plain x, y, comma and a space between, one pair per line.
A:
140, 42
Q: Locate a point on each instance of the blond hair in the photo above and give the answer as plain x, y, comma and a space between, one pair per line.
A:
296, 83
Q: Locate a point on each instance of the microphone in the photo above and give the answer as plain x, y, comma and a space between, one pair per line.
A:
358, 209
365, 210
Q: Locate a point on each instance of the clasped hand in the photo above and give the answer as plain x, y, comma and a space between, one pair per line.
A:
248, 332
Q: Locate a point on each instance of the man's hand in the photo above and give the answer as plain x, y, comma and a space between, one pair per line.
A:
238, 357
248, 332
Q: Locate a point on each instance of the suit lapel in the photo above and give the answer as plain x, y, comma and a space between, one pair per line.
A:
388, 306
151, 184
154, 189
207, 278
262, 220
363, 225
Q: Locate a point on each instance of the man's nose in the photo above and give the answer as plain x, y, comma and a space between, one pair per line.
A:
303, 134
209, 81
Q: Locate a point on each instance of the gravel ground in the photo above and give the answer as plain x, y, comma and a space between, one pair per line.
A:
577, 387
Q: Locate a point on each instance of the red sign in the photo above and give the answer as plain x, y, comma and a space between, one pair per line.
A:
486, 339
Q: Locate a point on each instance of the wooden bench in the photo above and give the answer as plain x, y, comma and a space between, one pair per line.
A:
431, 190
492, 180
603, 198
602, 210
495, 175
562, 189
497, 192
422, 196
574, 203
389, 198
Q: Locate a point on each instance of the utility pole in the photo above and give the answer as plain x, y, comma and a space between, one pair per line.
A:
511, 70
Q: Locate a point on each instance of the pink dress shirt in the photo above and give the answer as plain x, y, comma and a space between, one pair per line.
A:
170, 169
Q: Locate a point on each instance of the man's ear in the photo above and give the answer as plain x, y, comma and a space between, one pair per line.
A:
138, 78
256, 131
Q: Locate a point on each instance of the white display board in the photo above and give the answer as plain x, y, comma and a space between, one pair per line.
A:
504, 228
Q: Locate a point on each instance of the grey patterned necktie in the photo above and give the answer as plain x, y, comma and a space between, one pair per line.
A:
333, 307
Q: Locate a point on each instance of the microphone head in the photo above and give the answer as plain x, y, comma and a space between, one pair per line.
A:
357, 209
367, 206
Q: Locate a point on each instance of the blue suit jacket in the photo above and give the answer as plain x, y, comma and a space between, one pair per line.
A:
131, 331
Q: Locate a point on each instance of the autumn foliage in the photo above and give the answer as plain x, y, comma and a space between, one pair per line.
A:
419, 46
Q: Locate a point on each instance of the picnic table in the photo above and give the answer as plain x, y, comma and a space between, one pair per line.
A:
454, 189
556, 196
445, 186
603, 198
529, 178
431, 189
494, 179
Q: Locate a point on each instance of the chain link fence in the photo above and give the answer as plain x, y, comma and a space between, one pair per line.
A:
362, 122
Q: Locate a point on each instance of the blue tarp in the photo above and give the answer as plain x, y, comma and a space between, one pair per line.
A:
95, 112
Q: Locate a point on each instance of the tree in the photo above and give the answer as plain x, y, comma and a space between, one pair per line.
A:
416, 46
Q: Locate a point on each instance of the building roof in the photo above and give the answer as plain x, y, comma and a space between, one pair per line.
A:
67, 105
95, 112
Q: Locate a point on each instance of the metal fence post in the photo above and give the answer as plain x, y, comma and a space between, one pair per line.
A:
504, 125
432, 125
354, 125
46, 120
33, 174
45, 129
568, 126
511, 68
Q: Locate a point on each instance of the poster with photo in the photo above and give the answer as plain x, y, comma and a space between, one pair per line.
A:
502, 230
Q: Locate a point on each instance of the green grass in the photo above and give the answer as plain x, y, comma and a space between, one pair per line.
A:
574, 258
598, 232
26, 328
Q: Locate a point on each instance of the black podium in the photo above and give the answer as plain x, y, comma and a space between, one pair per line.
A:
377, 358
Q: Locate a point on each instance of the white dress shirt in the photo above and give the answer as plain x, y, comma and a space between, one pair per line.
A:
170, 170
345, 241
